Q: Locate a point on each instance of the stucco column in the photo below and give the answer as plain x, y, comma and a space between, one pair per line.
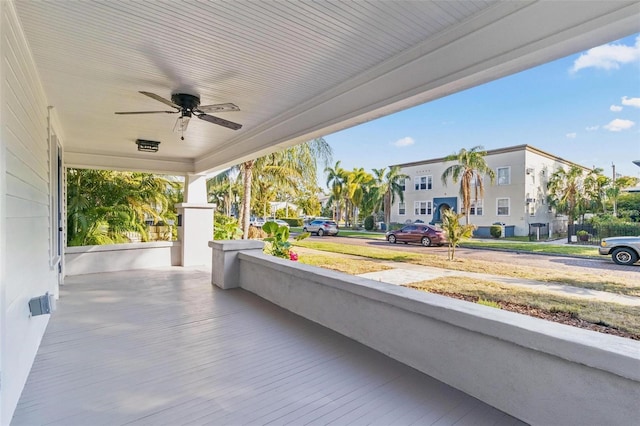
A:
196, 226
225, 267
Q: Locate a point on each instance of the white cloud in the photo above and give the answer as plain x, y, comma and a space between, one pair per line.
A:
404, 142
571, 135
618, 125
634, 102
608, 56
592, 128
615, 108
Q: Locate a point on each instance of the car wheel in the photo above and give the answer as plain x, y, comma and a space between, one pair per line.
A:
392, 239
426, 241
624, 256
304, 229
320, 232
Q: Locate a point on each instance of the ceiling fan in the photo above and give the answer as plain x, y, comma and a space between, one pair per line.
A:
188, 105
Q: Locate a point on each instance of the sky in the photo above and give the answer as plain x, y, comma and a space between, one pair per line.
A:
584, 108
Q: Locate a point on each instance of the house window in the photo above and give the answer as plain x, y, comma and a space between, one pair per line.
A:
403, 185
504, 175
476, 208
503, 206
402, 208
423, 183
422, 208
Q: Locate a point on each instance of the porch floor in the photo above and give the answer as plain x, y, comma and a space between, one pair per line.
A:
165, 347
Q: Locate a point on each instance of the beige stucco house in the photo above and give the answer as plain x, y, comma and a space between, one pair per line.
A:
517, 197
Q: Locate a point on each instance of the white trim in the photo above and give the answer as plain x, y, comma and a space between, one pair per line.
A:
508, 206
428, 183
474, 205
428, 208
3, 233
508, 175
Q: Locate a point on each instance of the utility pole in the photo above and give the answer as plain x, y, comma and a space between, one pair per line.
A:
615, 188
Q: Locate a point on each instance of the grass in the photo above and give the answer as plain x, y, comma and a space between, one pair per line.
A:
342, 264
351, 234
623, 317
529, 247
610, 282
626, 318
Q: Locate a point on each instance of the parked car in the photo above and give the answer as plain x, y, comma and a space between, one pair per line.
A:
427, 235
623, 250
257, 222
321, 227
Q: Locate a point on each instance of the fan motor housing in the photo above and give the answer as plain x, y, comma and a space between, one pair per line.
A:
186, 101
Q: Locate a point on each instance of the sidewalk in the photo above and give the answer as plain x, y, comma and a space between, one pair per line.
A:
407, 273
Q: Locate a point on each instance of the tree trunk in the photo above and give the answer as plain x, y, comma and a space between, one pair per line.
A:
387, 210
246, 197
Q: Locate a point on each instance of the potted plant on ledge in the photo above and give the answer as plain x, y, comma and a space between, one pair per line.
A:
583, 235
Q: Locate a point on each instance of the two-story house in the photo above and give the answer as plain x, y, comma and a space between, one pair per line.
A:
518, 196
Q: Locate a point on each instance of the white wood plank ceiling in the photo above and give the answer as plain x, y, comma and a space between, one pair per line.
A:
297, 69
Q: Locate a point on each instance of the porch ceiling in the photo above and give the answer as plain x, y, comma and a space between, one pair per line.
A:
297, 69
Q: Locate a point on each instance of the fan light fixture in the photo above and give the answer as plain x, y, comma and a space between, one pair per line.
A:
147, 146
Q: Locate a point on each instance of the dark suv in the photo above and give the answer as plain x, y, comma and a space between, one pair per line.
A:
322, 227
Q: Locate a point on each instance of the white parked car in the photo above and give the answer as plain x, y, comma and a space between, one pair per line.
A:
257, 222
321, 227
623, 250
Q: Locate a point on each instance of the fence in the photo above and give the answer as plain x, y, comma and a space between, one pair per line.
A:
593, 234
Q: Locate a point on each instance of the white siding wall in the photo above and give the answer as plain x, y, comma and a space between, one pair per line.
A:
26, 210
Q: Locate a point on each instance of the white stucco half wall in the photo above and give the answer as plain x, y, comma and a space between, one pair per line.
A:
538, 371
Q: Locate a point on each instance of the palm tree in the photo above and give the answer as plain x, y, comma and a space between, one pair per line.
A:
247, 178
103, 205
389, 185
455, 232
335, 184
469, 170
355, 182
596, 187
566, 191
289, 168
614, 191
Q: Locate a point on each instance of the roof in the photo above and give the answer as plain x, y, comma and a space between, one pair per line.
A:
497, 151
296, 69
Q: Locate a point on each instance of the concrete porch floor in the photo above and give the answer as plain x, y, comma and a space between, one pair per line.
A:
163, 346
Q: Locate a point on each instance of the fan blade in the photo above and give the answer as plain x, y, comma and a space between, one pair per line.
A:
160, 99
146, 112
218, 108
219, 121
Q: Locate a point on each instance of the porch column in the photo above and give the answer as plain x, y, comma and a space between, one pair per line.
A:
195, 229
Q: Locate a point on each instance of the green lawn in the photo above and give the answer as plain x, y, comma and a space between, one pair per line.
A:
625, 318
351, 234
577, 278
534, 247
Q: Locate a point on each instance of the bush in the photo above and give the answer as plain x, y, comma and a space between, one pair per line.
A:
495, 231
256, 233
293, 221
226, 228
369, 223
